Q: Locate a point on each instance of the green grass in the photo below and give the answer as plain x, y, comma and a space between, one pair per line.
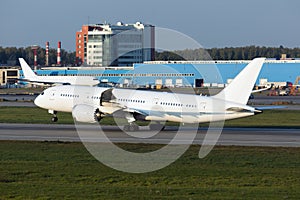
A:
270, 118
50, 170
32, 115
36, 90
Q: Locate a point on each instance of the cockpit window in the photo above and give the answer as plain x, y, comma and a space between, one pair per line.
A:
42, 93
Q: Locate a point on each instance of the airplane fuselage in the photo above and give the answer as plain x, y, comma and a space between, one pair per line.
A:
155, 106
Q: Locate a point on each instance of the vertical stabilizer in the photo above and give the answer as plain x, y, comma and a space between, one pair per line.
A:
27, 71
240, 88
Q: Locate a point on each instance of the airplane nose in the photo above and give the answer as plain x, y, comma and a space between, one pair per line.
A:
38, 101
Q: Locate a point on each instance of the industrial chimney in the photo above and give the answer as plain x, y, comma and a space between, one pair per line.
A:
47, 54
34, 48
58, 53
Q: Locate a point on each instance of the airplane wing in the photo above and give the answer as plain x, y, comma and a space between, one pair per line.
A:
37, 82
162, 116
260, 90
44, 82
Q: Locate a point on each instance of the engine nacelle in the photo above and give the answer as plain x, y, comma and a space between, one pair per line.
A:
86, 113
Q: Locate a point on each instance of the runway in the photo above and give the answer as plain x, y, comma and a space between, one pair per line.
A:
230, 136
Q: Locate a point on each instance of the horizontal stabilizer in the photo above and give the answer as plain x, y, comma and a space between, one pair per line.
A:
262, 89
269, 107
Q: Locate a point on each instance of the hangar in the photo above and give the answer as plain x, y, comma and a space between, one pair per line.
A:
181, 73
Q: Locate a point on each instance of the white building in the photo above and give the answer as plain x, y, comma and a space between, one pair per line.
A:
115, 45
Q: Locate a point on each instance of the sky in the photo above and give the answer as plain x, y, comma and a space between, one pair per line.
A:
212, 23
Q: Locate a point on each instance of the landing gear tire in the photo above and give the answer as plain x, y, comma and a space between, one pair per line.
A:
54, 119
131, 127
156, 127
98, 115
54, 116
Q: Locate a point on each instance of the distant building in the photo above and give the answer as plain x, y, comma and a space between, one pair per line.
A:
8, 76
115, 45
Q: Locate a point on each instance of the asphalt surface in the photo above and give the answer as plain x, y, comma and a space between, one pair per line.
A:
229, 136
273, 99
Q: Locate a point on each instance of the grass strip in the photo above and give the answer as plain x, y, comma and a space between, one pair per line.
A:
56, 170
34, 115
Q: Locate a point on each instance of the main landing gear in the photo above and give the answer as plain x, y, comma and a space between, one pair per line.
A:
156, 127
98, 115
131, 127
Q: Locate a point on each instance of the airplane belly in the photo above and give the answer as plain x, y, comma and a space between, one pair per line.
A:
189, 119
204, 118
238, 115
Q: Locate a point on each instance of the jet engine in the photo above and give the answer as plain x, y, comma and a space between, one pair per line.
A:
86, 114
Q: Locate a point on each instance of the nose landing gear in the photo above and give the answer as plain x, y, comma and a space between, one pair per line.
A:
54, 117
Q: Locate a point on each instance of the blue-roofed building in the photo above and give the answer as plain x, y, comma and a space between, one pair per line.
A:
183, 73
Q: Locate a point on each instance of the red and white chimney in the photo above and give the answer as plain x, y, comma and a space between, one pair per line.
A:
47, 54
58, 53
35, 57
34, 48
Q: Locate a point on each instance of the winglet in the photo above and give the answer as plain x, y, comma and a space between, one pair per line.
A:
240, 88
27, 71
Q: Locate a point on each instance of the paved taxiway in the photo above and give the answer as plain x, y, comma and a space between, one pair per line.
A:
229, 136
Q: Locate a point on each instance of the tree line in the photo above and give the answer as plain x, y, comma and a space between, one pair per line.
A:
229, 53
10, 55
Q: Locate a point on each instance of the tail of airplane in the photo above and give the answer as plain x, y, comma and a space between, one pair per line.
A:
240, 88
27, 71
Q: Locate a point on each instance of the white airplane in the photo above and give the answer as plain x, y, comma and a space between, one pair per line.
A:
91, 104
30, 76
